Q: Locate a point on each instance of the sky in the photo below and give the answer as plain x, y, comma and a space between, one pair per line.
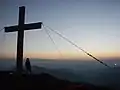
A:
93, 25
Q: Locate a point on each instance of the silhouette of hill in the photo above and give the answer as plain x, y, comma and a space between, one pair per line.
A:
107, 77
102, 76
41, 81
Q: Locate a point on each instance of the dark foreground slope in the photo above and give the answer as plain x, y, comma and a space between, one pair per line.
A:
42, 81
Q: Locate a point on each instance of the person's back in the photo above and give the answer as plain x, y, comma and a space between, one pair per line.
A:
28, 65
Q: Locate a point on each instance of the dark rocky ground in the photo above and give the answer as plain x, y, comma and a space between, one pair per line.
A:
42, 81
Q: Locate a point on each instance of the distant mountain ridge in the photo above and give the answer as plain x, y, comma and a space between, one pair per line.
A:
104, 77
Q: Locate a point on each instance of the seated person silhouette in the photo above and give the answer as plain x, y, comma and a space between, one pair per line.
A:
28, 66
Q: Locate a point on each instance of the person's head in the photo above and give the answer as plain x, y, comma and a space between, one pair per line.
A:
27, 59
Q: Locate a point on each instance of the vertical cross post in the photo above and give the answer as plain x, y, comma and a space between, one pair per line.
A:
20, 39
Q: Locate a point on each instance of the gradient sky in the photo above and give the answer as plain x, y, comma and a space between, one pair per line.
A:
93, 25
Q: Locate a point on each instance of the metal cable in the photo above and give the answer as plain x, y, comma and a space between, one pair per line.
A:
1, 29
47, 32
77, 46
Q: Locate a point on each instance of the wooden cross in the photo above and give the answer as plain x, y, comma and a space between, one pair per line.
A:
20, 39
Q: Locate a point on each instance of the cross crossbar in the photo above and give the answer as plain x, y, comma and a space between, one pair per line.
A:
25, 27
